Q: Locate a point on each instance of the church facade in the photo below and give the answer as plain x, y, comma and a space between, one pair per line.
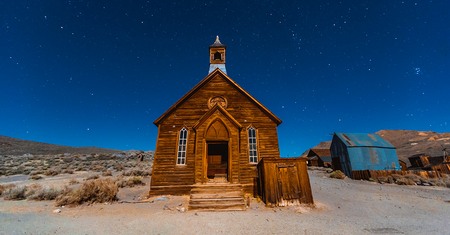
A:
217, 132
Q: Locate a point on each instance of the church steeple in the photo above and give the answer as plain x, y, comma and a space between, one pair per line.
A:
217, 56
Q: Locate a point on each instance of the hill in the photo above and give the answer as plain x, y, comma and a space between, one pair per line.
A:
409, 142
13, 146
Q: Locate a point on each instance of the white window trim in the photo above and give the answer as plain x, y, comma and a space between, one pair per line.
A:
252, 152
182, 146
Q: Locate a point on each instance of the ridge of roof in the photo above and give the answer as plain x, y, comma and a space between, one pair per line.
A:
363, 140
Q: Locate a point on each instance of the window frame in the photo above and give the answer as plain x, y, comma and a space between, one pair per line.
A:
253, 153
182, 146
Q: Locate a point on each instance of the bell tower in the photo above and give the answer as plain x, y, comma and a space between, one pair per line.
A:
217, 56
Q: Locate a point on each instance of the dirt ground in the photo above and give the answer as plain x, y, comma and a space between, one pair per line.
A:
341, 207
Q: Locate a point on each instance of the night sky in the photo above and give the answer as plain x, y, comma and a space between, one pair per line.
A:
98, 73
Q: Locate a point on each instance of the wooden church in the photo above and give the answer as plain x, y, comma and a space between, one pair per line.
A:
216, 133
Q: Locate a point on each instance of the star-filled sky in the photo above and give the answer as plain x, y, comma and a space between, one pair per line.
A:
98, 73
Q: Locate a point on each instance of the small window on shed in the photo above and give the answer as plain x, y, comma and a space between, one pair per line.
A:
252, 145
182, 141
217, 56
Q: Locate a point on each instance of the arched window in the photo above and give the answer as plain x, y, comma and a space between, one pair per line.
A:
252, 145
217, 56
182, 141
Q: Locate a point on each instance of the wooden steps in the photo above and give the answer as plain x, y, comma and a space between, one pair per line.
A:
217, 197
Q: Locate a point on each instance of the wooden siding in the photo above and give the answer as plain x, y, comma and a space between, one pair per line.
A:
284, 181
195, 115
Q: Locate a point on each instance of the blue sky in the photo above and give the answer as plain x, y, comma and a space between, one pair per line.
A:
98, 73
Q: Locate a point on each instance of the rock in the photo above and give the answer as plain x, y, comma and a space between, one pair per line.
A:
181, 209
57, 211
163, 198
166, 207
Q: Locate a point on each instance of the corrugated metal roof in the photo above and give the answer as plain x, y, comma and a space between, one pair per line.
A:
364, 140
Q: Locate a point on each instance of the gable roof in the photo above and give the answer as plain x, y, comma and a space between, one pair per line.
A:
321, 152
205, 81
363, 140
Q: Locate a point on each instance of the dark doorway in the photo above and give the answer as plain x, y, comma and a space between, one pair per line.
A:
217, 160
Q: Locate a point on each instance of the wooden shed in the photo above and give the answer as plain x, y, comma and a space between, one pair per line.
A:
284, 181
319, 157
217, 132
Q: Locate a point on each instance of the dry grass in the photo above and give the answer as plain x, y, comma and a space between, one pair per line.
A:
98, 190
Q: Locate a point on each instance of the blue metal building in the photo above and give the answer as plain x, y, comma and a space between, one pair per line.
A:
362, 151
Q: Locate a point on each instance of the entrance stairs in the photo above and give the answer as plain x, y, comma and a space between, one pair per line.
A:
217, 196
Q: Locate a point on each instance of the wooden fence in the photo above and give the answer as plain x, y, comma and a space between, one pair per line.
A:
284, 181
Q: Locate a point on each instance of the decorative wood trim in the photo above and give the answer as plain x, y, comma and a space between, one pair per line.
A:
208, 114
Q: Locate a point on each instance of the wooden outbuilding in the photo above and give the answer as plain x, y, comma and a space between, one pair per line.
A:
284, 181
319, 157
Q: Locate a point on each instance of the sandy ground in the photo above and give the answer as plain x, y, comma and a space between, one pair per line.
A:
342, 207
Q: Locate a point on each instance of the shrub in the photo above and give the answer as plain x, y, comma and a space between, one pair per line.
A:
73, 181
98, 190
36, 172
136, 172
130, 182
107, 173
92, 177
15, 193
51, 172
337, 175
413, 177
47, 193
67, 171
36, 177
98, 168
5, 187
118, 167
405, 181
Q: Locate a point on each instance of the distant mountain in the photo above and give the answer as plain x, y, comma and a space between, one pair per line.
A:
410, 142
13, 146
